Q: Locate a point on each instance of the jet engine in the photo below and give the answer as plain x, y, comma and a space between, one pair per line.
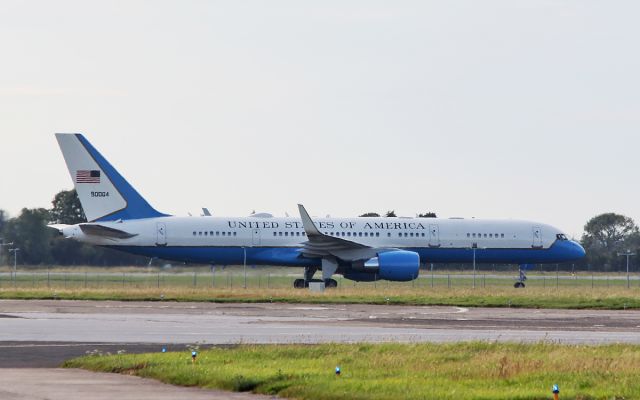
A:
396, 265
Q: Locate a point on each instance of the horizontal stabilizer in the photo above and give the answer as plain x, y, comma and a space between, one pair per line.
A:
105, 231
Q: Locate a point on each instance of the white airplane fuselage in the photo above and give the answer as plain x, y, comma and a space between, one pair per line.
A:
278, 241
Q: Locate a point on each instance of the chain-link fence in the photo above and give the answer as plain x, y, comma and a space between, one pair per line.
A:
280, 278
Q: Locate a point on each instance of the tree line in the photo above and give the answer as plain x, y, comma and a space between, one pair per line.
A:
40, 245
605, 237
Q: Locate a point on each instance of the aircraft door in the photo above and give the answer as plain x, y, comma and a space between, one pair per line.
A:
255, 237
434, 236
161, 234
537, 237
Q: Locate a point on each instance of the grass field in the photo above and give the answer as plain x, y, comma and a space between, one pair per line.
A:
396, 371
275, 285
571, 298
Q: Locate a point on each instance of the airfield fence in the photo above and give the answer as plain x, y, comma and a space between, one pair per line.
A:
233, 278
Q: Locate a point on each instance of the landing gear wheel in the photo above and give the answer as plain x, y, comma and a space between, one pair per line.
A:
330, 283
299, 284
518, 285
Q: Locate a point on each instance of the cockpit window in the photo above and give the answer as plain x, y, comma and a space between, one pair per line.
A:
561, 236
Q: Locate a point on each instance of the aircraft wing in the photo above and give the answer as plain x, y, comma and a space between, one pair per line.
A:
101, 230
320, 245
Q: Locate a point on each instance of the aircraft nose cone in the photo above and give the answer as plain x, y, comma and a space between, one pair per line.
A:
578, 250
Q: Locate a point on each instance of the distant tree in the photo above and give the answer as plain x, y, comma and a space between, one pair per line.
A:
67, 208
3, 221
370, 214
607, 234
29, 233
391, 213
428, 215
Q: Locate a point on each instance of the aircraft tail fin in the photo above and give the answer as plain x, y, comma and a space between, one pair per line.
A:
105, 195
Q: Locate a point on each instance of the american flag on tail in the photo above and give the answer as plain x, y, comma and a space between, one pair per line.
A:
87, 176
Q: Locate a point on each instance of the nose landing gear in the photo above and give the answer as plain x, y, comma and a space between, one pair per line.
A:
523, 277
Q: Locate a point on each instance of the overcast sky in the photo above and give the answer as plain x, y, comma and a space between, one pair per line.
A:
498, 109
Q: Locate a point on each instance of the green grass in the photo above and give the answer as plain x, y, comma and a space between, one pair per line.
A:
275, 285
568, 298
461, 371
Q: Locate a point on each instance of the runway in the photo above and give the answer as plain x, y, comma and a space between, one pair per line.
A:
212, 323
42, 334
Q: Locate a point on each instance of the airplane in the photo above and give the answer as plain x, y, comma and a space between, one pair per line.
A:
361, 248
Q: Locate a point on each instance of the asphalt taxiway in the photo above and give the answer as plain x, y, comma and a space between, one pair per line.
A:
210, 323
42, 334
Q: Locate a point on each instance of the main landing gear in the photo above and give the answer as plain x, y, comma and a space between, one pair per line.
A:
301, 283
308, 277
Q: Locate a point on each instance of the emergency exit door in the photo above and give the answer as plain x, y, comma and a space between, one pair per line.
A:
161, 234
434, 236
537, 237
256, 237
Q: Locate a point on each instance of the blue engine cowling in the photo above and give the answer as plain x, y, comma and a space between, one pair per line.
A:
398, 265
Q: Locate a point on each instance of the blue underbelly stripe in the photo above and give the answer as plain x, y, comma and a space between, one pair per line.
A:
291, 256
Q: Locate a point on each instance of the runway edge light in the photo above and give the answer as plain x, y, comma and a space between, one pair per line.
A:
337, 371
556, 391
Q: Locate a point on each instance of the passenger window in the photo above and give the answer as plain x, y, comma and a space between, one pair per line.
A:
360, 234
491, 235
286, 233
377, 234
474, 235
422, 234
388, 234
405, 234
399, 234
502, 235
411, 234
485, 235
275, 234
223, 233
194, 233
200, 233
234, 233
468, 235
